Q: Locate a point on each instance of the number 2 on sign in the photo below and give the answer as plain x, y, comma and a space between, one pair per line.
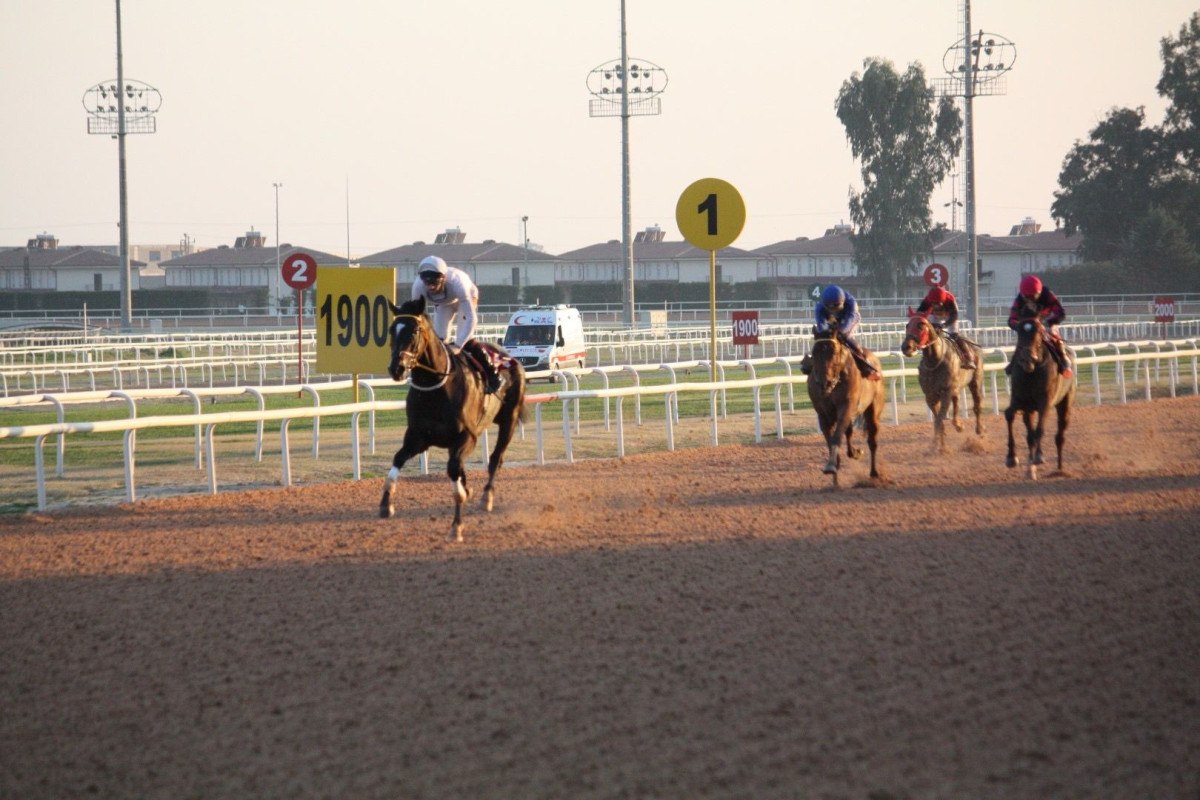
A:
299, 271
710, 206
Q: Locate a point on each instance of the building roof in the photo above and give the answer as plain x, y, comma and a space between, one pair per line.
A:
1047, 241
613, 250
59, 258
225, 256
834, 244
455, 254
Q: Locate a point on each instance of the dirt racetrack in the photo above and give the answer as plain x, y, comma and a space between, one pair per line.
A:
709, 623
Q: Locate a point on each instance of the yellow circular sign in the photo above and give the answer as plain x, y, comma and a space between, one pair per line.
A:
710, 214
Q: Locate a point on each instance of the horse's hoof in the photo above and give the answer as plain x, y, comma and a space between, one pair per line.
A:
830, 469
456, 532
1038, 460
387, 512
488, 499
1010, 462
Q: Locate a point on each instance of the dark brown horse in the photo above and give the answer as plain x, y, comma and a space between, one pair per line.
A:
941, 375
448, 407
839, 394
1037, 387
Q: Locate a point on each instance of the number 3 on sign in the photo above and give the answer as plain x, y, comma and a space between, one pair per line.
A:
710, 214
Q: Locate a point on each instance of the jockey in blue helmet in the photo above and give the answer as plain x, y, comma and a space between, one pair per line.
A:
838, 310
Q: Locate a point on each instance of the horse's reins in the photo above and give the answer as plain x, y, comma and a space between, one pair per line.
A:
445, 376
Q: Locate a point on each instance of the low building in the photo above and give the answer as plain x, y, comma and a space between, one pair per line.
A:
798, 268
666, 265
43, 265
248, 269
1003, 260
487, 263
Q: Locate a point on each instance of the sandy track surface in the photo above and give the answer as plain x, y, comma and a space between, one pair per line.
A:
705, 623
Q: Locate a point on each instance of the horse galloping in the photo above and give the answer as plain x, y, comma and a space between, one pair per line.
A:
447, 406
839, 394
1036, 387
941, 375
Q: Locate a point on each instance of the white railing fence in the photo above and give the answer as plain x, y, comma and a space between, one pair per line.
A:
1174, 362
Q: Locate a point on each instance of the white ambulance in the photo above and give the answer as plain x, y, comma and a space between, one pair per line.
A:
546, 337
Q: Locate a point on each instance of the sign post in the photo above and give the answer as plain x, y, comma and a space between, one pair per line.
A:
710, 215
745, 329
1164, 312
299, 272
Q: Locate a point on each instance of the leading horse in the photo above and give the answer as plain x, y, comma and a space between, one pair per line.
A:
1037, 387
448, 407
839, 394
941, 375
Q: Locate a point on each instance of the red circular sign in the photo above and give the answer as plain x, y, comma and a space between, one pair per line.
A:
299, 271
936, 275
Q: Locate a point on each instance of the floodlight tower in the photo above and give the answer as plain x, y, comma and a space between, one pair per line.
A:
116, 108
611, 85
976, 66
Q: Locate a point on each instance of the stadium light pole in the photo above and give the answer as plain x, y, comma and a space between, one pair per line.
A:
116, 108
611, 85
976, 66
524, 259
273, 284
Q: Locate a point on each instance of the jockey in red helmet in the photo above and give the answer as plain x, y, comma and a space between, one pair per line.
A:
1035, 301
943, 305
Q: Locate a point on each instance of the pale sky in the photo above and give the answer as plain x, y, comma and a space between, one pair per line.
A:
425, 115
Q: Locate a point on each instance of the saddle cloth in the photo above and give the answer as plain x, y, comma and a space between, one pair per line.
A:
500, 361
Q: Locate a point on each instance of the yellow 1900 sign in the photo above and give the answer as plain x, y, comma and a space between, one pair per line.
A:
353, 318
710, 214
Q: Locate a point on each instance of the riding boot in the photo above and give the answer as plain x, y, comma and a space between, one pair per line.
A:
965, 359
1064, 366
866, 368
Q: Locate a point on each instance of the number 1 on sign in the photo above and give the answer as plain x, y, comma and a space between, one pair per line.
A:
709, 206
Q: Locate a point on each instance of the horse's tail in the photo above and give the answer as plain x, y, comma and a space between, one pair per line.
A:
518, 371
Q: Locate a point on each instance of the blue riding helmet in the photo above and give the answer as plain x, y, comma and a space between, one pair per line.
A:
833, 297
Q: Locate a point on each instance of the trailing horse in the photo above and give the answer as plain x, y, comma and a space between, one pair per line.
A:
1037, 387
942, 376
839, 393
448, 407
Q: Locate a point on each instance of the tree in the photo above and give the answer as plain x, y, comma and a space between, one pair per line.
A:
1160, 256
1109, 183
906, 143
1180, 83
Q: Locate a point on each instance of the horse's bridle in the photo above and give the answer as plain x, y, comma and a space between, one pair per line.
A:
410, 358
923, 341
1024, 357
835, 345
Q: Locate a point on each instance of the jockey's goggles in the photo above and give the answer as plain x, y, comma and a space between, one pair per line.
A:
431, 278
